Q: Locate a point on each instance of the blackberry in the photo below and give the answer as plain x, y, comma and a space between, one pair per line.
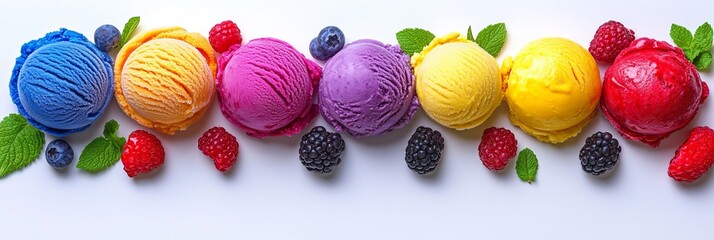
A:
320, 150
600, 153
423, 151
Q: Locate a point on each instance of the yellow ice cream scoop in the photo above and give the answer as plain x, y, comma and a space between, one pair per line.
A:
457, 82
552, 88
165, 78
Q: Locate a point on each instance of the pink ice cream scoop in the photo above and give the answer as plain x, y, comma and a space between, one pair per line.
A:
651, 90
267, 88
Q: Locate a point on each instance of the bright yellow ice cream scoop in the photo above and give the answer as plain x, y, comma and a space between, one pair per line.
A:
552, 88
165, 78
457, 82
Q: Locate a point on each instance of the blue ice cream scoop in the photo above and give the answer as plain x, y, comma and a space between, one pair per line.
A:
62, 83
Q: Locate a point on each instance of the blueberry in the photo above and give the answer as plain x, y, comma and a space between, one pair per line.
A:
59, 154
106, 37
329, 42
317, 51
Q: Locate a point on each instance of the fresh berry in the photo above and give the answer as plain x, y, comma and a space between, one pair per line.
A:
600, 153
423, 151
694, 157
320, 150
318, 52
220, 146
327, 43
223, 35
142, 153
59, 154
107, 37
497, 147
610, 39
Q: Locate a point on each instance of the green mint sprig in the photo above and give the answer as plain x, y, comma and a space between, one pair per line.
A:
527, 165
129, 28
697, 47
104, 151
20, 144
492, 38
413, 40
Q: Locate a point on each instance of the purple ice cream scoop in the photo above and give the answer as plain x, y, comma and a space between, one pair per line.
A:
368, 89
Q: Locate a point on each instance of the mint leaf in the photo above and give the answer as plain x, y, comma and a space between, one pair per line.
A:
703, 38
703, 61
527, 165
470, 35
129, 28
681, 36
413, 40
20, 144
492, 38
111, 128
103, 152
690, 54
696, 48
118, 142
98, 155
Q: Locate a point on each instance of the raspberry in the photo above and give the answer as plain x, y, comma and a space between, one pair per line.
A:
423, 152
220, 146
600, 153
610, 39
224, 35
142, 153
497, 147
320, 150
694, 157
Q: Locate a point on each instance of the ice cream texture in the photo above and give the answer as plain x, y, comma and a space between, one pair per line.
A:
651, 90
165, 78
267, 88
62, 83
457, 82
552, 88
368, 89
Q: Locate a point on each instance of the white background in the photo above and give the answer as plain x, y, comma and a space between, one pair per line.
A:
269, 195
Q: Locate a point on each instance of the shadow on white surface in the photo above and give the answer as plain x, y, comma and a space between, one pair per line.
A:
61, 173
607, 180
152, 178
697, 187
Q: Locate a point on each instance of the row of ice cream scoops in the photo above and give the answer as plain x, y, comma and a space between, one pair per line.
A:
166, 78
553, 87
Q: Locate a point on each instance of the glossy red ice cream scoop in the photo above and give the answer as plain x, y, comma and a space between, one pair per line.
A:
651, 90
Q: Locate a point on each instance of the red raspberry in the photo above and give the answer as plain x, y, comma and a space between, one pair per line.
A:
224, 35
142, 153
498, 145
610, 38
694, 157
220, 146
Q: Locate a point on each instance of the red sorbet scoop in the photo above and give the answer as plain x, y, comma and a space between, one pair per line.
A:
651, 90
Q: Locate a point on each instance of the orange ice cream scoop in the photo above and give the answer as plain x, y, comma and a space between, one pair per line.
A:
165, 78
